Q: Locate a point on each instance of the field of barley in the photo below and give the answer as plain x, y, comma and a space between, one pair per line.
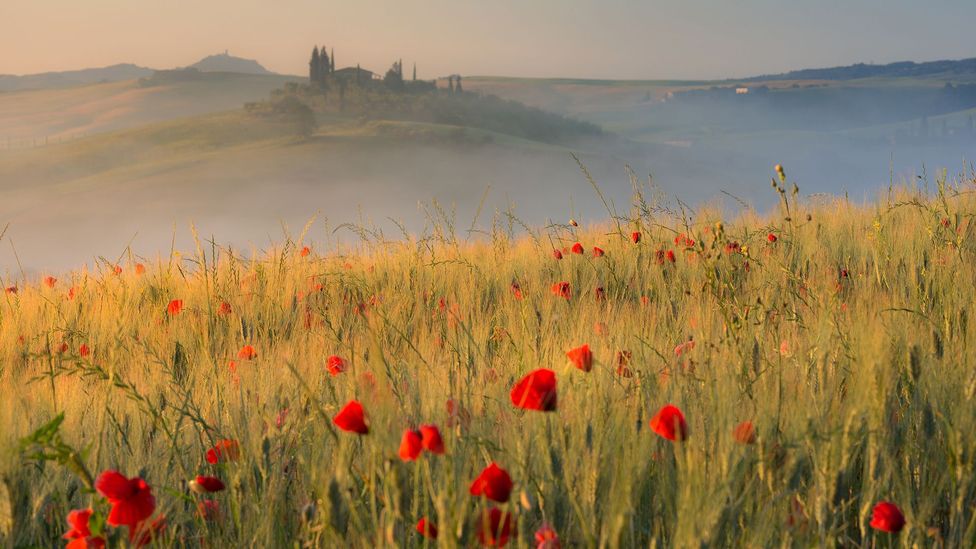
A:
669, 378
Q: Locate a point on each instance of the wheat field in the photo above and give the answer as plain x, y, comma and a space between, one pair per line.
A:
818, 355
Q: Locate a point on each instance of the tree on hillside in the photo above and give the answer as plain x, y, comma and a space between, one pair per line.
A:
325, 66
332, 65
394, 77
450, 83
313, 66
415, 72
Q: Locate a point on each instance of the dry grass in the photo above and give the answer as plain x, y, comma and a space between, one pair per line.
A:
860, 386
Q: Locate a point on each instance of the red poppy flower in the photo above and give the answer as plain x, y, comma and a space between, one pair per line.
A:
208, 510
562, 289
623, 360
225, 450
78, 521
495, 528
581, 357
635, 236
352, 418
597, 252
84, 350
427, 528
733, 248
887, 517
305, 251
86, 543
547, 538
336, 365
577, 248
50, 281
771, 238
744, 433
63, 348
557, 254
493, 483
131, 499
247, 352
683, 240
432, 440
517, 291
411, 445
536, 391
225, 309
11, 290
117, 269
457, 415
600, 293
844, 273
140, 269
671, 256
669, 422
203, 485
71, 293
175, 307
684, 348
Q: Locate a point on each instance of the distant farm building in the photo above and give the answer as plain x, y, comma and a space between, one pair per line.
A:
742, 90
356, 74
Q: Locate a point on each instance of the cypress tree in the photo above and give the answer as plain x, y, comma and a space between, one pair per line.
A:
415, 72
313, 66
332, 66
324, 66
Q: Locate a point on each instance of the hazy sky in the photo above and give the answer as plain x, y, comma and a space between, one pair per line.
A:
576, 38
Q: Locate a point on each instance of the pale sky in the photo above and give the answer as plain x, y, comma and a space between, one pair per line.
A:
640, 39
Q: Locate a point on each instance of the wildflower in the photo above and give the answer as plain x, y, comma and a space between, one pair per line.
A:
305, 251
578, 248
203, 485
336, 365
557, 254
536, 391
581, 357
117, 269
573, 223
744, 433
684, 348
175, 307
733, 248
50, 281
635, 237
495, 528
431, 438
247, 352
131, 499
547, 538
684, 240
411, 445
517, 291
623, 360
80, 533
457, 415
645, 300
671, 256
71, 293
209, 510
140, 269
887, 517
84, 350
597, 251
352, 418
225, 450
771, 238
562, 289
669, 423
600, 293
225, 309
493, 483
11, 290
427, 528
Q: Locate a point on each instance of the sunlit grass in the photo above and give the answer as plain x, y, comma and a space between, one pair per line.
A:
845, 342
